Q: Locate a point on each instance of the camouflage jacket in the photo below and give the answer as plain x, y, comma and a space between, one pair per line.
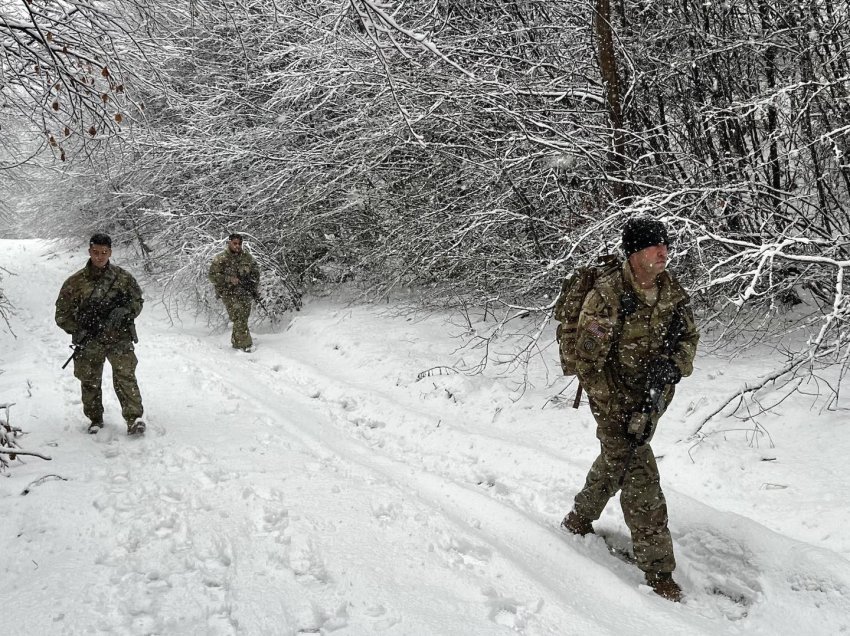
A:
88, 297
241, 266
614, 350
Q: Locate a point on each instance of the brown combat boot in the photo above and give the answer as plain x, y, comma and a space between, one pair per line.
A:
577, 524
662, 583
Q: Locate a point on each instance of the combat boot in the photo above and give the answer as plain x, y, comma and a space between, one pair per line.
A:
135, 427
662, 583
95, 426
577, 524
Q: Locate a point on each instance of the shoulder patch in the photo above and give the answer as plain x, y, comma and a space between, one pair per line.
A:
595, 329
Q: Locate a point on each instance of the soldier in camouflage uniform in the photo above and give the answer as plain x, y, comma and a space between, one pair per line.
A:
97, 306
235, 276
622, 350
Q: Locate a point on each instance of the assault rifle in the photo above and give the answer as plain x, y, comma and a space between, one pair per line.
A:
250, 286
262, 305
96, 317
78, 347
638, 428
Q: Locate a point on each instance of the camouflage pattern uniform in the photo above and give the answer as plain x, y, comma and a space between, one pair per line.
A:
236, 297
613, 352
103, 289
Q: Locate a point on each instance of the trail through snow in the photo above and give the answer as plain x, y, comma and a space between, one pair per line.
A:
318, 485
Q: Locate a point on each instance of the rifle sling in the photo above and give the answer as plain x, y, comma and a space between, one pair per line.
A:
577, 400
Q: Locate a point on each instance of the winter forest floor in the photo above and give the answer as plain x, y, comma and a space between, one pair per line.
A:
319, 485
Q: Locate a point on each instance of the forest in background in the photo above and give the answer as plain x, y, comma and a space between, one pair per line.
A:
472, 151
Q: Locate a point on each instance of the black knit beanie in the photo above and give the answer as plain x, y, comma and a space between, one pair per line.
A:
641, 233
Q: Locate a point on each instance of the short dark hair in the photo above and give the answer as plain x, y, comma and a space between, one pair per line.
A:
234, 236
100, 239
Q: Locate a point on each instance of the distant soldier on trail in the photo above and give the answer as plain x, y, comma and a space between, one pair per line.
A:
636, 338
97, 306
235, 276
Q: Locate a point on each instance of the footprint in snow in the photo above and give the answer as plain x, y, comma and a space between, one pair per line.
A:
509, 612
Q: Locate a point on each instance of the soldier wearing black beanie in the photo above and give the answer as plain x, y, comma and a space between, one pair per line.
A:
641, 232
635, 338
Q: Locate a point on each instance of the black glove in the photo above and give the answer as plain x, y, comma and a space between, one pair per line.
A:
661, 372
117, 318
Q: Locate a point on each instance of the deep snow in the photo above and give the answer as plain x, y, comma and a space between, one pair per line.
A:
341, 479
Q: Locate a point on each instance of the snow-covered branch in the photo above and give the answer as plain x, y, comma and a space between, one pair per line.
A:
9, 448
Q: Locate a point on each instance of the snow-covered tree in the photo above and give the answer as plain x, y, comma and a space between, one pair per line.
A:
70, 68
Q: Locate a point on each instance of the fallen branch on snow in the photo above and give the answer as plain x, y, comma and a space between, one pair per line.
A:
40, 481
739, 395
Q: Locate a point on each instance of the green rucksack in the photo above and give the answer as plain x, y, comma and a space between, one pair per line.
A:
568, 306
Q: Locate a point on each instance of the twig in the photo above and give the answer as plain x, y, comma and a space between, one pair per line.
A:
740, 393
439, 370
17, 451
701, 437
40, 481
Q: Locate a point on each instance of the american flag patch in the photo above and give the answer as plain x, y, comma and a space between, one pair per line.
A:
595, 329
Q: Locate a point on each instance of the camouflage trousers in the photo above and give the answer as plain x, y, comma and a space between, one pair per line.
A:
88, 369
642, 501
239, 310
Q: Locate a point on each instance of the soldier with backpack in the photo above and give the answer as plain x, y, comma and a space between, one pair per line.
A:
627, 331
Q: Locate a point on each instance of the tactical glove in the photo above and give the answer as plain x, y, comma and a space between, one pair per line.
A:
637, 425
117, 318
661, 372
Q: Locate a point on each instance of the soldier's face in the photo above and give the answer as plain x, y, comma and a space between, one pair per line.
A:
650, 260
99, 255
235, 246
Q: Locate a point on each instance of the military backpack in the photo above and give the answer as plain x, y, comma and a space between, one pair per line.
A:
574, 290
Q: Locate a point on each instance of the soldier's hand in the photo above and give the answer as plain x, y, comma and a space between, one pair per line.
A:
117, 318
78, 336
637, 423
661, 372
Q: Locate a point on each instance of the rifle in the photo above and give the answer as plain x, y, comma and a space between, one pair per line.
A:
259, 300
250, 286
638, 427
79, 346
96, 314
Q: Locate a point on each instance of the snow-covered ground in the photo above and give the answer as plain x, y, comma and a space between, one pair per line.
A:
341, 479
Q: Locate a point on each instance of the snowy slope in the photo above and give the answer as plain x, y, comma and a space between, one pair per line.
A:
321, 485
